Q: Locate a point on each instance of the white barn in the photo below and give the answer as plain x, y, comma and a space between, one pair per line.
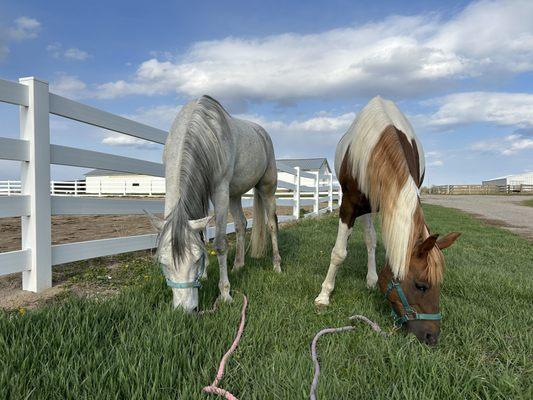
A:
513, 180
312, 165
100, 181
120, 183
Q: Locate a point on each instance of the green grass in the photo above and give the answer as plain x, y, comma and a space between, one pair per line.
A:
134, 346
528, 203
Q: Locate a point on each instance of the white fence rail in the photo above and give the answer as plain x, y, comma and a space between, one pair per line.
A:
36, 198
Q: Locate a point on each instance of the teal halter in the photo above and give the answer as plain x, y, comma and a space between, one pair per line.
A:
409, 313
195, 284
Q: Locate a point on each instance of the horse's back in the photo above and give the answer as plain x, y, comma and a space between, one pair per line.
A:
366, 130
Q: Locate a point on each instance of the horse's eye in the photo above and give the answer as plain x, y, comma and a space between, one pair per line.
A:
421, 286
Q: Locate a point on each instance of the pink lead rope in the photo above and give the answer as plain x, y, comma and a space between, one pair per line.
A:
213, 388
372, 324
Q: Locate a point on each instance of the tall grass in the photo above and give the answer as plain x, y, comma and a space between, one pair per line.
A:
134, 346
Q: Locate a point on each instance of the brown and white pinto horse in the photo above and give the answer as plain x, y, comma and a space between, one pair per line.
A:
380, 166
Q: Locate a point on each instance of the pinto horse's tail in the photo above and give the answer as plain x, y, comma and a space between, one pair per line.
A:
259, 233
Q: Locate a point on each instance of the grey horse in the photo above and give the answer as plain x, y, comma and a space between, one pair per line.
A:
210, 156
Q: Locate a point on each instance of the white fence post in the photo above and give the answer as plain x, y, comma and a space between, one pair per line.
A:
296, 206
150, 193
330, 192
76, 187
99, 187
124, 188
35, 174
53, 187
317, 193
9, 188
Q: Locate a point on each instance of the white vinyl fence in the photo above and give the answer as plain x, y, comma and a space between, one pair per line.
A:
35, 200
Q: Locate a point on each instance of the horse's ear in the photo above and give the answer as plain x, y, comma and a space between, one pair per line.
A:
156, 222
446, 241
200, 224
425, 247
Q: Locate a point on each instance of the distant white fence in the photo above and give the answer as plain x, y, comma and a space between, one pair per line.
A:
36, 200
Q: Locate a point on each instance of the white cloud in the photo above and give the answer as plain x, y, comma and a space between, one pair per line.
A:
76, 54
116, 139
398, 55
435, 163
69, 86
23, 28
73, 53
434, 159
518, 141
316, 136
471, 107
322, 123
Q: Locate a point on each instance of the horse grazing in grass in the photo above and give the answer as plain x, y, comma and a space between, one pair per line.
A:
211, 156
380, 166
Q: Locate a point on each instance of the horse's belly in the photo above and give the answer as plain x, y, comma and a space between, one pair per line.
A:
250, 164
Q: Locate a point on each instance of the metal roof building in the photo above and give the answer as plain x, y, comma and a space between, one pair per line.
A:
518, 179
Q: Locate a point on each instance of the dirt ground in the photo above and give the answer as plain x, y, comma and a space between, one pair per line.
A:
505, 211
68, 229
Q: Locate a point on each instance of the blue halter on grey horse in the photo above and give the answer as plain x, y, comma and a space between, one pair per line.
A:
210, 156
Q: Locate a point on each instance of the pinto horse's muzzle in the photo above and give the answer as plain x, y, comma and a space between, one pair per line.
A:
409, 313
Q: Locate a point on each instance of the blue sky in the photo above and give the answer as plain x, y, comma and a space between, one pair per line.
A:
461, 71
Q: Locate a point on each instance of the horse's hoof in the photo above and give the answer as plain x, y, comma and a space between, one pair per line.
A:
237, 267
277, 268
371, 281
226, 298
322, 301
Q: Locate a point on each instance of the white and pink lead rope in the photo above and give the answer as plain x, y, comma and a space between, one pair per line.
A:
215, 389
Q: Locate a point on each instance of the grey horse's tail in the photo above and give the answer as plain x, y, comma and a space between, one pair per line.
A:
259, 228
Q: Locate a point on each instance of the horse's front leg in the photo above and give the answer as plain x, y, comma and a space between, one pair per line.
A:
339, 252
221, 204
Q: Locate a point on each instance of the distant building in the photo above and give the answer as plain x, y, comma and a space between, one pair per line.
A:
121, 183
100, 181
312, 165
513, 180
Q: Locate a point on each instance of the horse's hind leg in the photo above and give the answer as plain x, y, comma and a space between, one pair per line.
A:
221, 204
272, 218
370, 241
240, 230
339, 252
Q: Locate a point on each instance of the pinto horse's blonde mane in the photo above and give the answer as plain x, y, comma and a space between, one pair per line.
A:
379, 163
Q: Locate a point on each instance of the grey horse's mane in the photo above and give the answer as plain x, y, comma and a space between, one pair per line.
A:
201, 158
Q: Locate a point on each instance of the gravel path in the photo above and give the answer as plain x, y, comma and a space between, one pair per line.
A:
505, 211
